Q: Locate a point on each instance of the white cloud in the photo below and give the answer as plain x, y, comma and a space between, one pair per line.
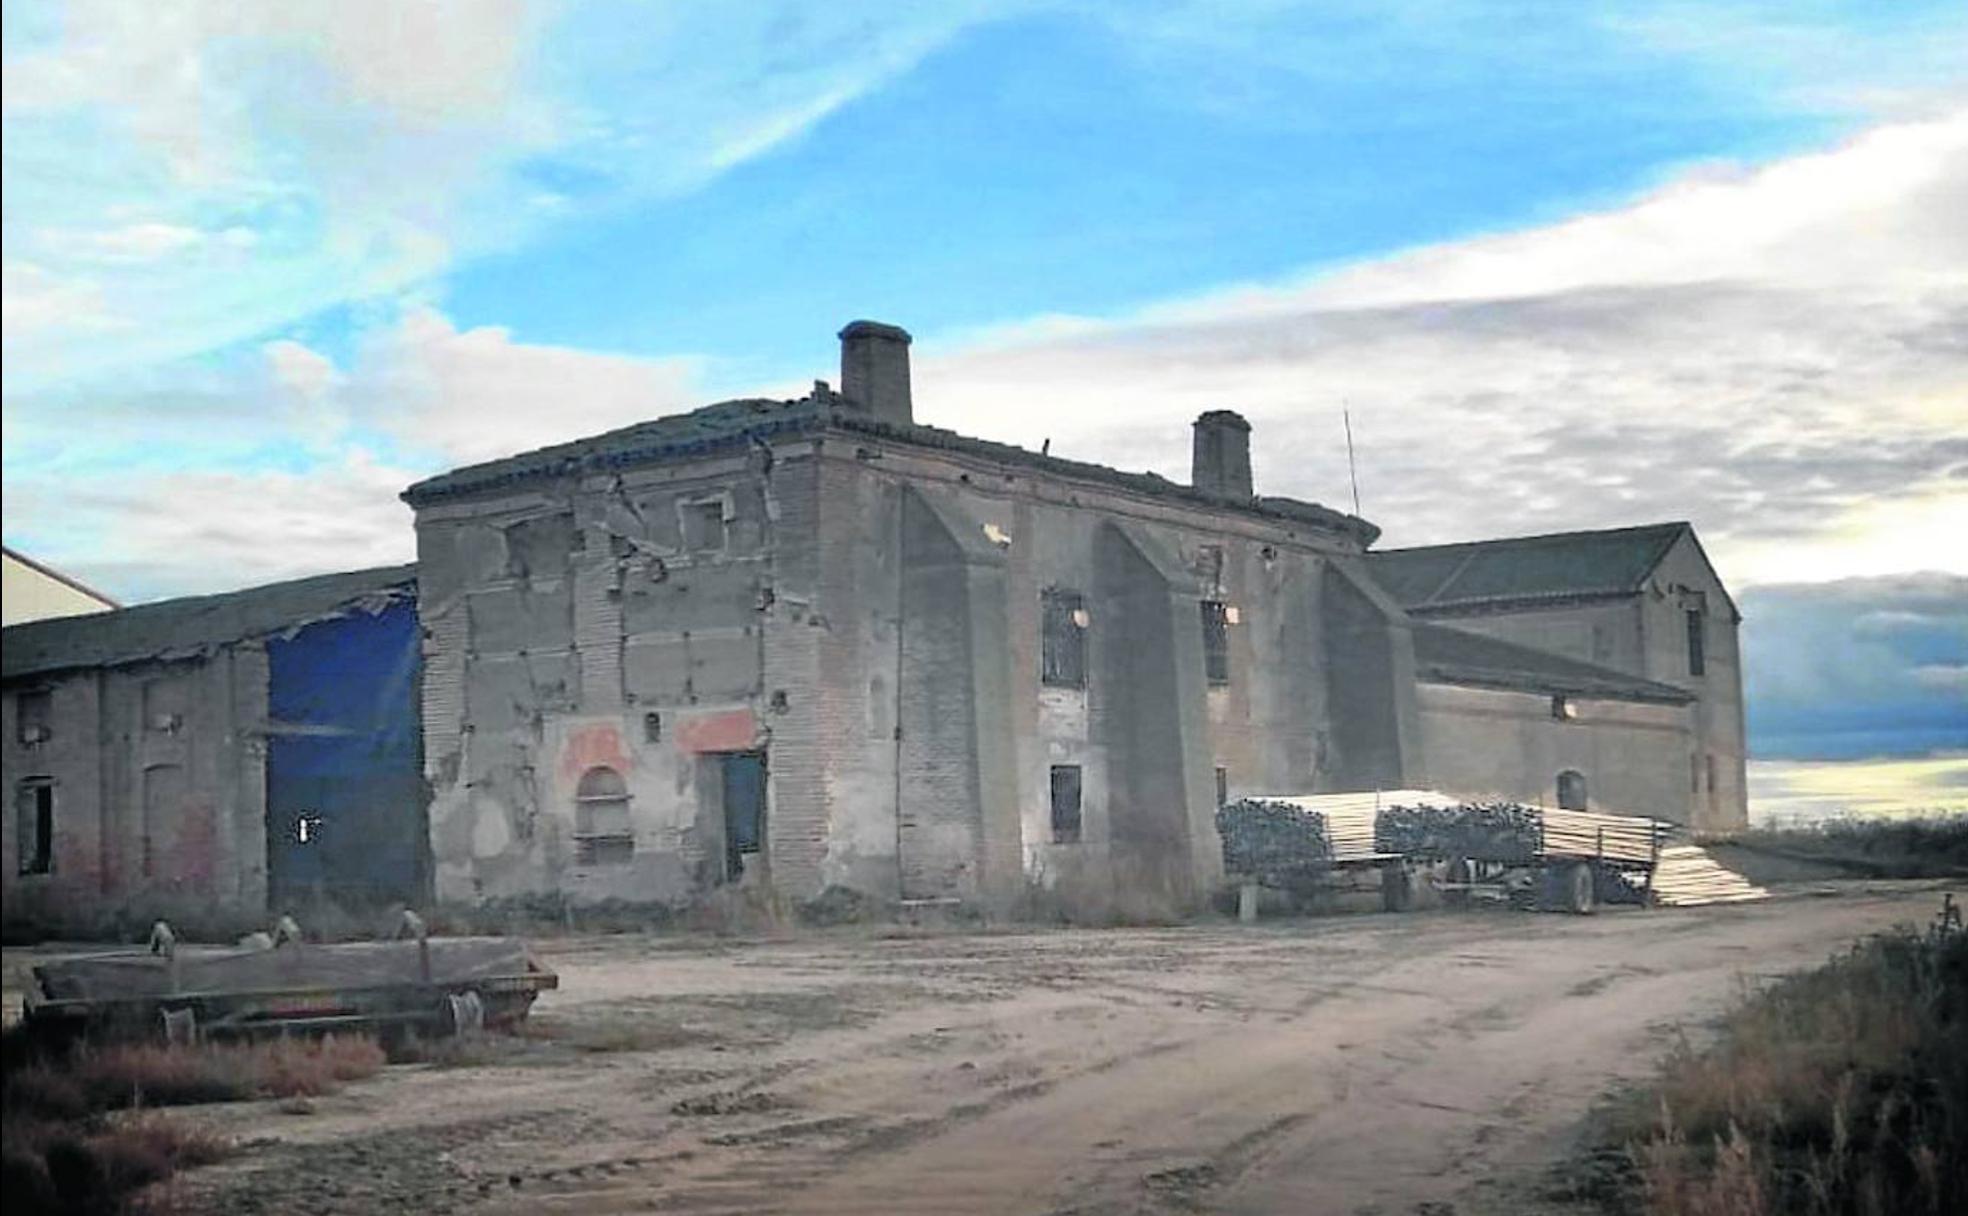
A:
224, 529
1776, 354
219, 169
455, 396
418, 396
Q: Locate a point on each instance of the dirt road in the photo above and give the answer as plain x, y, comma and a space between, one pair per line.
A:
1366, 1064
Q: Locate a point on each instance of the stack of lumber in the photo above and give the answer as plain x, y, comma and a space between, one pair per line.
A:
1687, 877
1491, 831
1613, 837
1267, 837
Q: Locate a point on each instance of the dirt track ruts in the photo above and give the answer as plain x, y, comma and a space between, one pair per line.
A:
1364, 1064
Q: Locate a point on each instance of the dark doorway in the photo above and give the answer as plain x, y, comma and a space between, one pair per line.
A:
744, 811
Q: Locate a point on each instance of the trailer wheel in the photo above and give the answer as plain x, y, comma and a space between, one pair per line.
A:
1579, 888
1459, 872
1397, 889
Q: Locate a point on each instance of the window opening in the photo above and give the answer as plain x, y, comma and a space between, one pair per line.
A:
34, 711
34, 826
1063, 642
1065, 804
703, 525
602, 832
1571, 790
1216, 642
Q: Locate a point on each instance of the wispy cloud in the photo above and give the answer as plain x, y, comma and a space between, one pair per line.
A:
203, 172
1777, 354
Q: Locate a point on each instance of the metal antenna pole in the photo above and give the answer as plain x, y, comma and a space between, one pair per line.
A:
1352, 469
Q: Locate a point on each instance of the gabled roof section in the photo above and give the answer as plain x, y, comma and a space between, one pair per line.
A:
195, 625
66, 580
1457, 656
1525, 569
731, 424
714, 427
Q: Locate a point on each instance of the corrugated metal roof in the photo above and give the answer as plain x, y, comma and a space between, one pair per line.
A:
1457, 656
1560, 566
193, 625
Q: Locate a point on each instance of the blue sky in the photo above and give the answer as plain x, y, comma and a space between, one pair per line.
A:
1567, 264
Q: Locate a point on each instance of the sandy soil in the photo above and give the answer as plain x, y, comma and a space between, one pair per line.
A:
1429, 1063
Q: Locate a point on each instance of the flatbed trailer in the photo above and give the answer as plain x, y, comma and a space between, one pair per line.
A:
1464, 848
433, 985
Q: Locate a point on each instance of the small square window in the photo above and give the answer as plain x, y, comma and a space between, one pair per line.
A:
1065, 804
703, 525
34, 713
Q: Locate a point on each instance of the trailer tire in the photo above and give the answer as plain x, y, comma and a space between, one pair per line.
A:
1397, 893
1580, 888
1459, 871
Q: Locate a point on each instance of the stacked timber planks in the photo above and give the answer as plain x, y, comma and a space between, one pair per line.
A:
1611, 837
1271, 837
1688, 877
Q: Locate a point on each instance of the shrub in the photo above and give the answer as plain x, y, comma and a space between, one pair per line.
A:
1925, 847
1841, 1090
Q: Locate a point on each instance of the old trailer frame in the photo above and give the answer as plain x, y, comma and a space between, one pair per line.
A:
444, 986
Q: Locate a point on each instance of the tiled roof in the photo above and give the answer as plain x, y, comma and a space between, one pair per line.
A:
193, 625
1561, 566
752, 420
1457, 656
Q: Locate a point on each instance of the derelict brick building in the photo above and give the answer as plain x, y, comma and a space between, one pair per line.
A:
812, 643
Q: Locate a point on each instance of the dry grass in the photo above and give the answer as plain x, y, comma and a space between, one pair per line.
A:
1840, 1091
1934, 846
66, 1152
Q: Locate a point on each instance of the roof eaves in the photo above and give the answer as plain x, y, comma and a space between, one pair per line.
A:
1548, 599
1646, 691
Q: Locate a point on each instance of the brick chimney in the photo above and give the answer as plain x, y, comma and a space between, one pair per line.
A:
875, 370
1221, 463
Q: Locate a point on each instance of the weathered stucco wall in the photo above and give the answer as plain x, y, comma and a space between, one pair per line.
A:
615, 623
1685, 581
981, 732
156, 774
871, 622
1492, 743
1646, 635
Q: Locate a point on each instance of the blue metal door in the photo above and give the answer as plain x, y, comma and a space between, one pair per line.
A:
346, 801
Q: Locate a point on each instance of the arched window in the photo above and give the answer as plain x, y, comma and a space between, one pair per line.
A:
602, 834
1571, 790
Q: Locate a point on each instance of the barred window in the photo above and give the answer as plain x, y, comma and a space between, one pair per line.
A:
1062, 642
1216, 642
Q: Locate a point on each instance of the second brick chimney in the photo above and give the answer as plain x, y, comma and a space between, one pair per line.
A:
875, 370
1221, 464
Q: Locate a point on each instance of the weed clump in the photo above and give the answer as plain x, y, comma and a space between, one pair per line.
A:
1839, 1091
81, 1134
